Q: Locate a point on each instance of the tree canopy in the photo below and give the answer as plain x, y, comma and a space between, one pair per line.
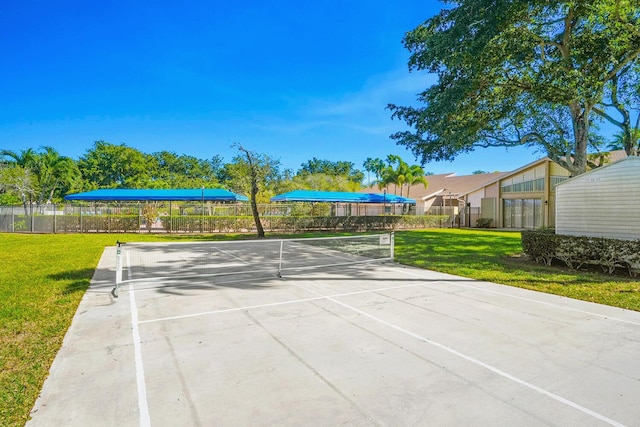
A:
514, 72
44, 176
400, 174
38, 176
327, 167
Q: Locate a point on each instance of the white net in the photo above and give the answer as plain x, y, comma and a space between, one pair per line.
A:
144, 261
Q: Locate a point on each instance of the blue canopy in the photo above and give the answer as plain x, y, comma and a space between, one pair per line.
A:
189, 194
339, 196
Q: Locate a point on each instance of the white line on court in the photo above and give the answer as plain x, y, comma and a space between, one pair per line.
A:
143, 407
474, 361
233, 256
249, 307
603, 316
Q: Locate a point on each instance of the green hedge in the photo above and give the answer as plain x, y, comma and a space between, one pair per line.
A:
543, 246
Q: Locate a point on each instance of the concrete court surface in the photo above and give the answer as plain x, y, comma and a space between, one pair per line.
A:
366, 345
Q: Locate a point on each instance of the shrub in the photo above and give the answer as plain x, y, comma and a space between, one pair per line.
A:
542, 246
484, 222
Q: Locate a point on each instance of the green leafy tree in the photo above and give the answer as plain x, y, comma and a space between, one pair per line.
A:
16, 175
16, 184
50, 174
415, 175
621, 107
25, 158
320, 182
374, 166
516, 72
108, 165
253, 174
631, 144
170, 170
394, 172
56, 175
327, 167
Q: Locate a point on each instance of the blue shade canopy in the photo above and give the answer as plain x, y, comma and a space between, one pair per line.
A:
339, 196
189, 194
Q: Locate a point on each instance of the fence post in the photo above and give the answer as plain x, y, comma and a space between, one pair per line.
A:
54, 218
13, 220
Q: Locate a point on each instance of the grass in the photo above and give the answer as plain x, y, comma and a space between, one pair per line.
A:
43, 278
495, 257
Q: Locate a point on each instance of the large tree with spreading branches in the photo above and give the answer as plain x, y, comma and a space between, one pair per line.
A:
518, 72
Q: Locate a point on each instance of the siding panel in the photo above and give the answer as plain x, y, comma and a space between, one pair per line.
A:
602, 203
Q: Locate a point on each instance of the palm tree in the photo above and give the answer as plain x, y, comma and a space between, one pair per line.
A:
49, 171
24, 180
54, 172
399, 172
415, 176
26, 159
627, 141
374, 166
387, 177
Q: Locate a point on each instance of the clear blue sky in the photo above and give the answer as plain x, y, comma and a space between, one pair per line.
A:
291, 79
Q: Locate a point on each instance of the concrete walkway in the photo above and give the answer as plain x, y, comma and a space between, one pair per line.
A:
368, 345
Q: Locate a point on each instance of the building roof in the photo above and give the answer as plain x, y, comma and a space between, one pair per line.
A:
603, 169
447, 183
188, 194
339, 196
609, 157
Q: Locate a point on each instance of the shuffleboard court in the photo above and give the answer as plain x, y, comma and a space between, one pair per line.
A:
363, 344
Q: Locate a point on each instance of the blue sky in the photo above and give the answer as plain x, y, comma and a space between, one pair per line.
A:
291, 79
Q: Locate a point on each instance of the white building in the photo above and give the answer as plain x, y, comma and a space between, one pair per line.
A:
604, 202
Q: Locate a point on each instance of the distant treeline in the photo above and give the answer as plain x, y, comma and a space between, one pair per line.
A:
43, 176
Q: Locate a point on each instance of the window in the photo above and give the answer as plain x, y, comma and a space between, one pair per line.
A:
522, 213
531, 186
555, 180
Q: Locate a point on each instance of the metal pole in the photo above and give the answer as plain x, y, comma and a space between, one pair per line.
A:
202, 222
280, 261
393, 238
384, 209
114, 292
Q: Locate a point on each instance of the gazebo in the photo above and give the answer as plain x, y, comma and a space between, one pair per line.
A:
154, 195
199, 209
343, 202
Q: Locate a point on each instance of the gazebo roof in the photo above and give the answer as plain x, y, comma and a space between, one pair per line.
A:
339, 196
187, 194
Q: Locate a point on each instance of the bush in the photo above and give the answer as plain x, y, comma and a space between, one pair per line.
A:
543, 246
484, 222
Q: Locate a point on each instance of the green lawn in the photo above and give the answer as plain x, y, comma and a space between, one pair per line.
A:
43, 278
495, 256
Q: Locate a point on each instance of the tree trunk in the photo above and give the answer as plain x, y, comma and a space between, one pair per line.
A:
254, 191
580, 119
254, 207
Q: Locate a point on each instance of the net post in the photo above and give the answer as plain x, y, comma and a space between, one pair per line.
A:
114, 292
392, 239
280, 259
